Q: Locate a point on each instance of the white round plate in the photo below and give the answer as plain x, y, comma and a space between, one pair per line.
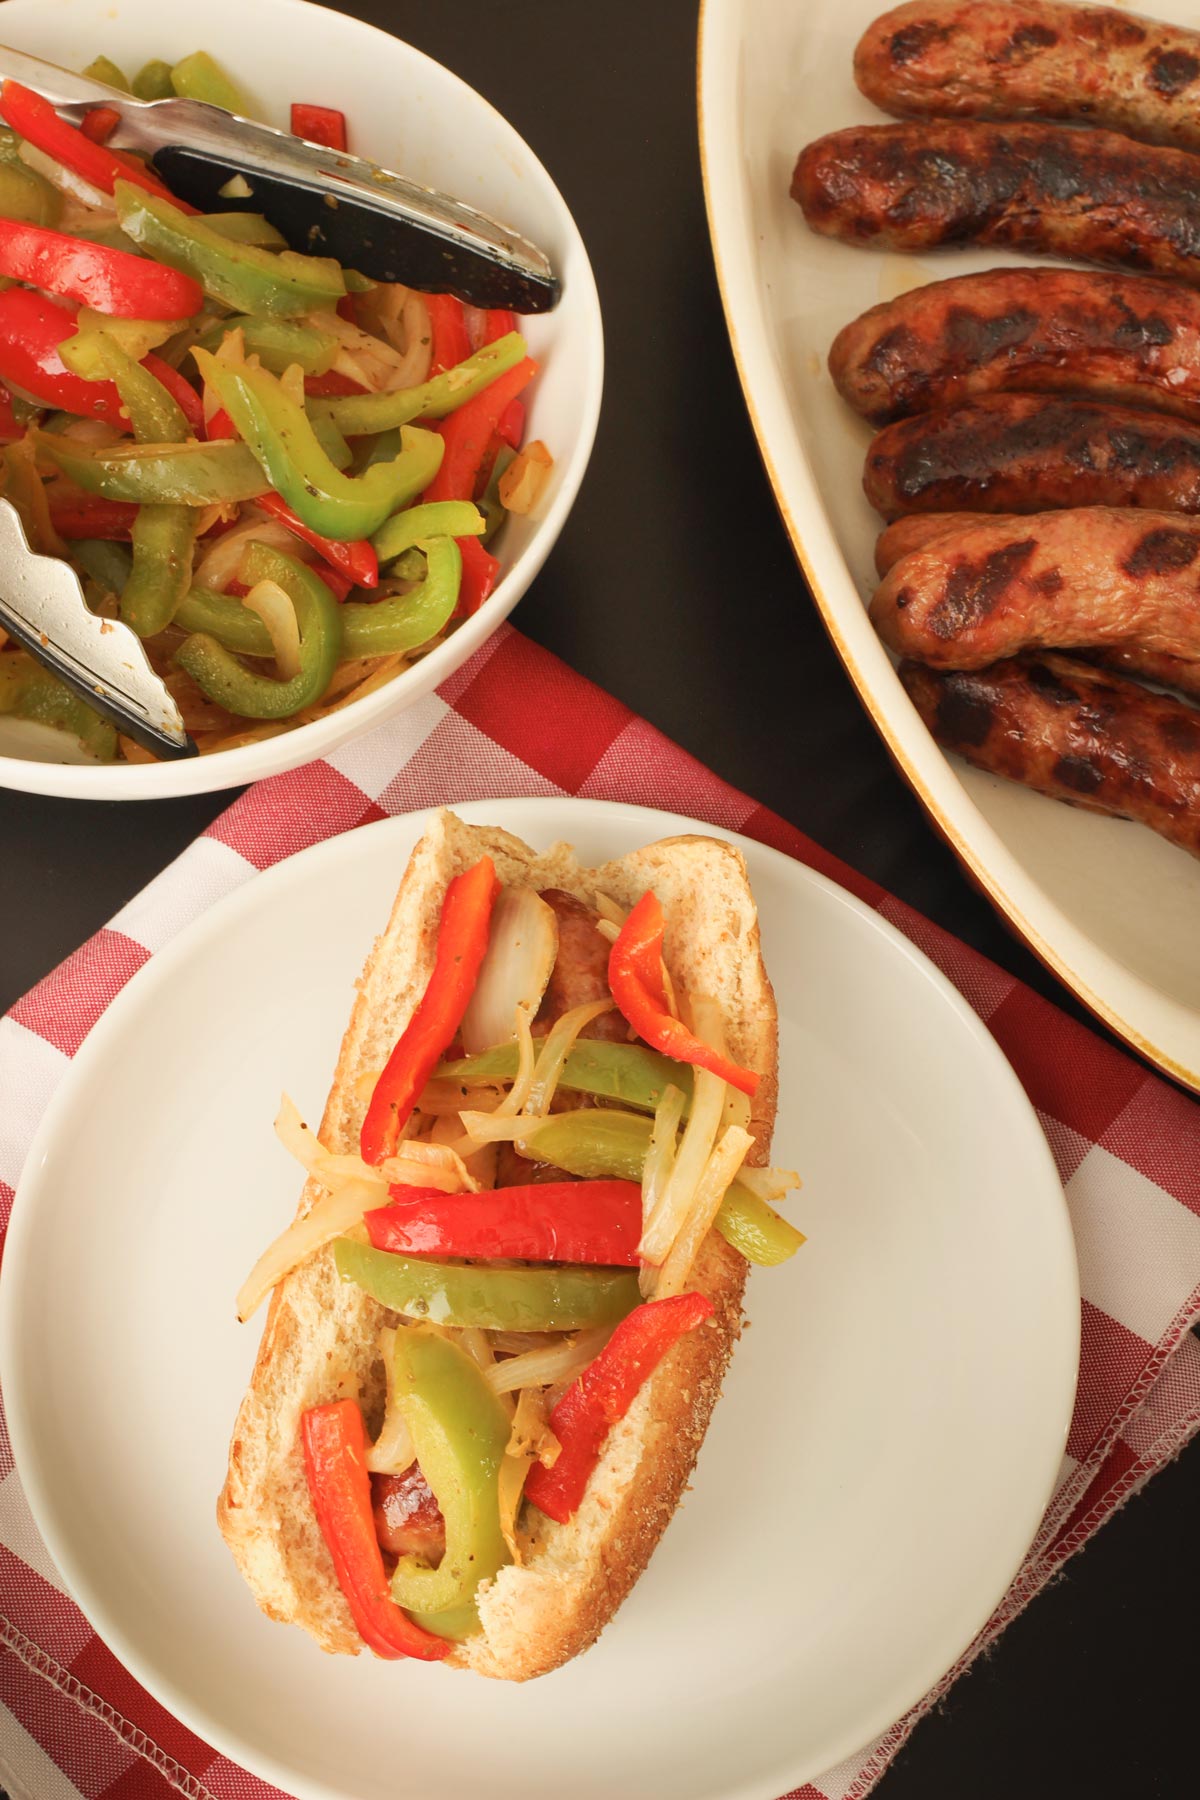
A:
414, 116
1110, 907
884, 1449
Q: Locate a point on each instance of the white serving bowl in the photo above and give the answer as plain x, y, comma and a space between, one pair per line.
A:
412, 115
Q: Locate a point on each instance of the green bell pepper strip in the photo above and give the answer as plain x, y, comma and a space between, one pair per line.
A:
278, 343
281, 436
443, 518
153, 81
358, 415
26, 195
600, 1141
102, 68
406, 621
28, 691
460, 1431
201, 609
244, 691
137, 337
627, 1072
490, 503
246, 228
193, 474
163, 535
200, 77
472, 1294
277, 284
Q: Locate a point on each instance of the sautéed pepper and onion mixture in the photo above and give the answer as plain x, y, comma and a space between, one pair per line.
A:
540, 1161
285, 478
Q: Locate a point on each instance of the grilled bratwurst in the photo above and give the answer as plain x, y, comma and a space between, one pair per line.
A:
1043, 189
1088, 64
919, 529
1092, 578
1075, 733
1016, 453
1126, 338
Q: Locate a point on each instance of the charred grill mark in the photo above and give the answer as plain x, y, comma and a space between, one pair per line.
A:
914, 40
965, 714
1102, 27
891, 355
1162, 551
973, 590
1172, 71
972, 337
1025, 40
1049, 582
1079, 773
1134, 332
1181, 733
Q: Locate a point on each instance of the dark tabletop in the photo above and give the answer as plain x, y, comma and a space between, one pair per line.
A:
674, 587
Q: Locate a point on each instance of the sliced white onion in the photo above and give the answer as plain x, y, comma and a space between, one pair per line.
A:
393, 1450
335, 1213
608, 909
660, 1160
220, 564
719, 1171
522, 483
68, 182
554, 1052
276, 609
489, 1128
707, 1019
522, 946
769, 1184
428, 1165
548, 1365
608, 928
414, 1165
531, 1440
675, 1201
514, 1100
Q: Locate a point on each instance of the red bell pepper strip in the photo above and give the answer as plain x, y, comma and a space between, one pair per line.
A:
511, 427
462, 942
497, 323
553, 1221
479, 571
100, 123
10, 426
335, 1448
355, 558
635, 979
34, 118
319, 124
604, 1393
469, 431
181, 391
87, 516
109, 281
219, 426
451, 345
333, 384
31, 329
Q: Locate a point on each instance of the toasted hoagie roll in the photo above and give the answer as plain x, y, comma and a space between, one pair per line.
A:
381, 1196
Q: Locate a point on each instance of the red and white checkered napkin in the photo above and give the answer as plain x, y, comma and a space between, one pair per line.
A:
514, 721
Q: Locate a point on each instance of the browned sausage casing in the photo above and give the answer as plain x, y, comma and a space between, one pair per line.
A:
1072, 732
1088, 578
1127, 338
919, 529
1040, 188
1034, 60
1015, 453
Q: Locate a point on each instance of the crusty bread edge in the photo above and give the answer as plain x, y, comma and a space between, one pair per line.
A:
319, 1339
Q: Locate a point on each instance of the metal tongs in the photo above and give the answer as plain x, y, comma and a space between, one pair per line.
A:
324, 202
101, 660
